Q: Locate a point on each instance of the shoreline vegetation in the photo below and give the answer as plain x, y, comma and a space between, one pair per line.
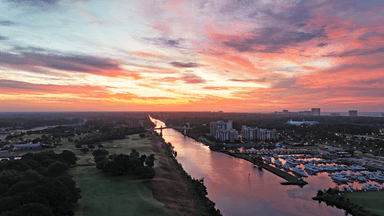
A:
357, 203
193, 199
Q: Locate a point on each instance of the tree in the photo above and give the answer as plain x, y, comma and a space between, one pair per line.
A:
32, 209
68, 156
78, 145
99, 158
84, 150
149, 162
351, 151
134, 154
100, 152
57, 168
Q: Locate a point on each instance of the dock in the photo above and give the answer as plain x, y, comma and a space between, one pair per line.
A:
291, 180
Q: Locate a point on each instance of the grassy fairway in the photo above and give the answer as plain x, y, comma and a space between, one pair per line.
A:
125, 146
370, 200
113, 196
34, 136
116, 195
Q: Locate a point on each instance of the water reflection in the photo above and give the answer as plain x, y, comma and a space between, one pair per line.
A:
238, 188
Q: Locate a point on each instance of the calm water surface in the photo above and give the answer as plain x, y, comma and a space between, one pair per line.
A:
238, 188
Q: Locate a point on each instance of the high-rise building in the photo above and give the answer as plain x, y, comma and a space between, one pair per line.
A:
222, 130
315, 111
249, 133
233, 135
352, 113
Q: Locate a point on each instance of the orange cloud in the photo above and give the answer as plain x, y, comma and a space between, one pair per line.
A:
145, 55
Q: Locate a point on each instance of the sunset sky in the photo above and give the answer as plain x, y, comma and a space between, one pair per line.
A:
196, 55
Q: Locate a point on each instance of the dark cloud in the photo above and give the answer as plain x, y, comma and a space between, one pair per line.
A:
356, 52
11, 84
3, 38
190, 78
301, 25
34, 6
65, 62
370, 82
285, 83
33, 2
7, 23
368, 35
166, 42
321, 44
235, 5
184, 65
295, 14
273, 40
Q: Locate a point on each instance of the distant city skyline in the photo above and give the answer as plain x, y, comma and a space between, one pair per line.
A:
202, 55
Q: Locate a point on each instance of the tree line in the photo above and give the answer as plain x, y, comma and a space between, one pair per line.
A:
133, 164
38, 184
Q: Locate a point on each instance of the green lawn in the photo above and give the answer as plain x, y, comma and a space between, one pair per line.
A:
370, 200
33, 136
113, 196
120, 195
125, 146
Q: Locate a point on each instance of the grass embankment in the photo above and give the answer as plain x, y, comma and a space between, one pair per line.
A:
370, 200
274, 170
196, 187
205, 141
117, 195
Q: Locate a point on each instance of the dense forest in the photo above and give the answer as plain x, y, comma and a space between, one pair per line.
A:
38, 184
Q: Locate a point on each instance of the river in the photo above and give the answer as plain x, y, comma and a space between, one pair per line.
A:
238, 188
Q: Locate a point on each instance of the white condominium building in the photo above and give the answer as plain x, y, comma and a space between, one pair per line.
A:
223, 131
250, 133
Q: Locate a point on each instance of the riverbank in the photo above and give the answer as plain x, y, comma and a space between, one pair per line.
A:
175, 188
168, 186
367, 203
370, 200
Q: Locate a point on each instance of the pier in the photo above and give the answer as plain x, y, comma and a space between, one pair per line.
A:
291, 180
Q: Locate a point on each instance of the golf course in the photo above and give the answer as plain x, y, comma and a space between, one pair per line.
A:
116, 195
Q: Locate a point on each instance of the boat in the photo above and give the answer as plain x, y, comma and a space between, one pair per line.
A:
278, 163
338, 177
286, 166
276, 156
267, 160
299, 171
361, 178
292, 162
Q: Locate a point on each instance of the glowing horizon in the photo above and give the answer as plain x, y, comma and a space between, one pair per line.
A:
204, 55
